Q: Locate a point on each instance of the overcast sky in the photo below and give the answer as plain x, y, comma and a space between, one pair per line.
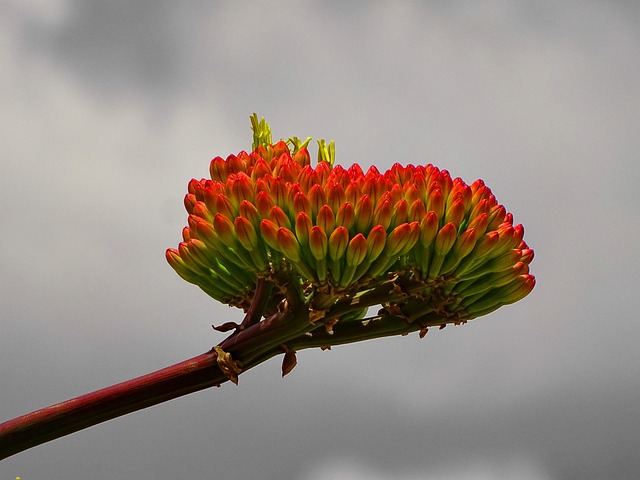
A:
109, 108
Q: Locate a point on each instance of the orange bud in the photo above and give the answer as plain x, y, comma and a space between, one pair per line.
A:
383, 212
445, 239
357, 250
245, 233
363, 213
218, 169
376, 242
269, 231
224, 228
325, 219
335, 196
428, 229
264, 204
417, 211
303, 228
346, 216
338, 242
318, 243
280, 218
288, 244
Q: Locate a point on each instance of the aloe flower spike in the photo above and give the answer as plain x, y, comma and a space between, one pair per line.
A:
305, 251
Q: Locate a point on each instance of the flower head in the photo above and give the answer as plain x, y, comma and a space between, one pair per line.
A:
335, 232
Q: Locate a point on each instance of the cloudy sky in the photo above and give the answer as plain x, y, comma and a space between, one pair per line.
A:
108, 108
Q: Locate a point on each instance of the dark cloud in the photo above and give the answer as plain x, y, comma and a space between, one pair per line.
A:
118, 46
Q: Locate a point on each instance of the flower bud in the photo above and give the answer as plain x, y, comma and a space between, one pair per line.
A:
325, 219
288, 244
346, 216
338, 242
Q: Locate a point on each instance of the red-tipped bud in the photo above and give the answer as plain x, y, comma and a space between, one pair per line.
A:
400, 212
218, 169
428, 229
316, 198
465, 243
278, 191
435, 202
269, 231
482, 207
518, 235
479, 191
352, 192
480, 223
496, 217
507, 239
307, 178
280, 218
241, 188
446, 184
318, 243
364, 213
323, 171
373, 186
335, 196
357, 250
189, 202
203, 230
325, 219
402, 239
288, 244
264, 204
301, 203
249, 211
225, 206
411, 193
194, 187
260, 169
302, 158
383, 212
455, 213
375, 242
338, 242
508, 218
303, 228
527, 256
201, 210
234, 165
224, 228
417, 211
485, 244
445, 239
245, 233
285, 169
346, 216
280, 148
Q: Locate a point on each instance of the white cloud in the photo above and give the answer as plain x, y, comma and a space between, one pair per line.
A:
465, 469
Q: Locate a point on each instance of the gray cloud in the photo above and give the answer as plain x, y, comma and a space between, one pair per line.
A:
110, 108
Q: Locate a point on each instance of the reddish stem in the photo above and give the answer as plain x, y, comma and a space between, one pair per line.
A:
249, 346
68, 417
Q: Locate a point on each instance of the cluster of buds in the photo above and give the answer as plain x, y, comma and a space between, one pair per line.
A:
441, 245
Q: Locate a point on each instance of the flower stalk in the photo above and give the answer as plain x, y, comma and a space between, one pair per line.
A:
305, 251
